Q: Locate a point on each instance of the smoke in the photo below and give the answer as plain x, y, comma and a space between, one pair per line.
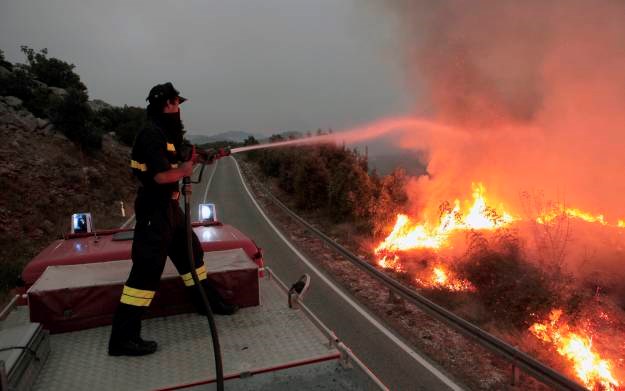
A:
537, 88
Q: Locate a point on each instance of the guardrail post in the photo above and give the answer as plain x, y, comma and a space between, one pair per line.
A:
391, 296
344, 359
4, 381
332, 343
516, 374
396, 299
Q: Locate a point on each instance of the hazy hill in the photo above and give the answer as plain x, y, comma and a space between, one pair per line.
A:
234, 136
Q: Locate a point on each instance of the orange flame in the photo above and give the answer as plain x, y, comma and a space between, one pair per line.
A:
576, 214
406, 235
444, 279
590, 368
391, 262
478, 215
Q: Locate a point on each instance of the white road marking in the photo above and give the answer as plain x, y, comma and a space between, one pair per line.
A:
210, 180
441, 376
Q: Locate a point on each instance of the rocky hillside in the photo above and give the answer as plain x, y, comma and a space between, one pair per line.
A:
45, 177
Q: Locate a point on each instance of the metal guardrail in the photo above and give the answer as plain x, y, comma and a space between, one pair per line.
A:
517, 358
347, 356
9, 307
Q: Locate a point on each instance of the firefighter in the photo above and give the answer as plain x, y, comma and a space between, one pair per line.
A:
160, 229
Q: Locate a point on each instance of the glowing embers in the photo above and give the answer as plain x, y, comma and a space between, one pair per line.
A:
443, 279
589, 367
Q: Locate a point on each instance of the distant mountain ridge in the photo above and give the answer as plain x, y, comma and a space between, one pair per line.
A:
234, 136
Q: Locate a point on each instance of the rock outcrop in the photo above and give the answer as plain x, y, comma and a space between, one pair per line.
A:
45, 177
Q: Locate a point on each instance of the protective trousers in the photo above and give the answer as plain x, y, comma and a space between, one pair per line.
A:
160, 231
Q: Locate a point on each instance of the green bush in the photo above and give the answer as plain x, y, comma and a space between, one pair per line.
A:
311, 181
3, 62
18, 83
124, 121
75, 118
335, 181
52, 71
35, 98
251, 140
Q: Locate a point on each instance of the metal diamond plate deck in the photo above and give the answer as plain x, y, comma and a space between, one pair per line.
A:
258, 337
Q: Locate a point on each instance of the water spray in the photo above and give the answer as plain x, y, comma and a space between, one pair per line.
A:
361, 133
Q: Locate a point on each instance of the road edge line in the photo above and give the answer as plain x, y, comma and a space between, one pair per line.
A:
210, 180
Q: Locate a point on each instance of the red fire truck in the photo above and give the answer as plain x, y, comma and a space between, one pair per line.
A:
54, 333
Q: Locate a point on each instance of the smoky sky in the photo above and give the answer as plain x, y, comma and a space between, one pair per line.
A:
535, 91
258, 66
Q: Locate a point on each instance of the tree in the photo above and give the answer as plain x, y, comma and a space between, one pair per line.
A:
390, 200
310, 180
276, 138
4, 63
350, 192
52, 71
251, 140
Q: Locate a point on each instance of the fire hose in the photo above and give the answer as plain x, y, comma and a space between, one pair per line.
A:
186, 192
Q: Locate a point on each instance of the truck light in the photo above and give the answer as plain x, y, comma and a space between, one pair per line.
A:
207, 213
82, 223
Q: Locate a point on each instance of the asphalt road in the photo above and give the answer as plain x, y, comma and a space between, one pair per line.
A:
394, 365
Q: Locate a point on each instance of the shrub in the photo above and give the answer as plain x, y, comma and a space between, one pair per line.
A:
124, 121
350, 192
18, 83
251, 140
75, 118
3, 62
391, 197
52, 71
335, 180
509, 286
310, 180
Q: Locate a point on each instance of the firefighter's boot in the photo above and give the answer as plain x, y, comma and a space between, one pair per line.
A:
218, 305
126, 333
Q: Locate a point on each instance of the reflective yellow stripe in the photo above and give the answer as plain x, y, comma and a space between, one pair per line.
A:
201, 272
138, 292
188, 277
139, 166
174, 165
171, 147
136, 301
136, 297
